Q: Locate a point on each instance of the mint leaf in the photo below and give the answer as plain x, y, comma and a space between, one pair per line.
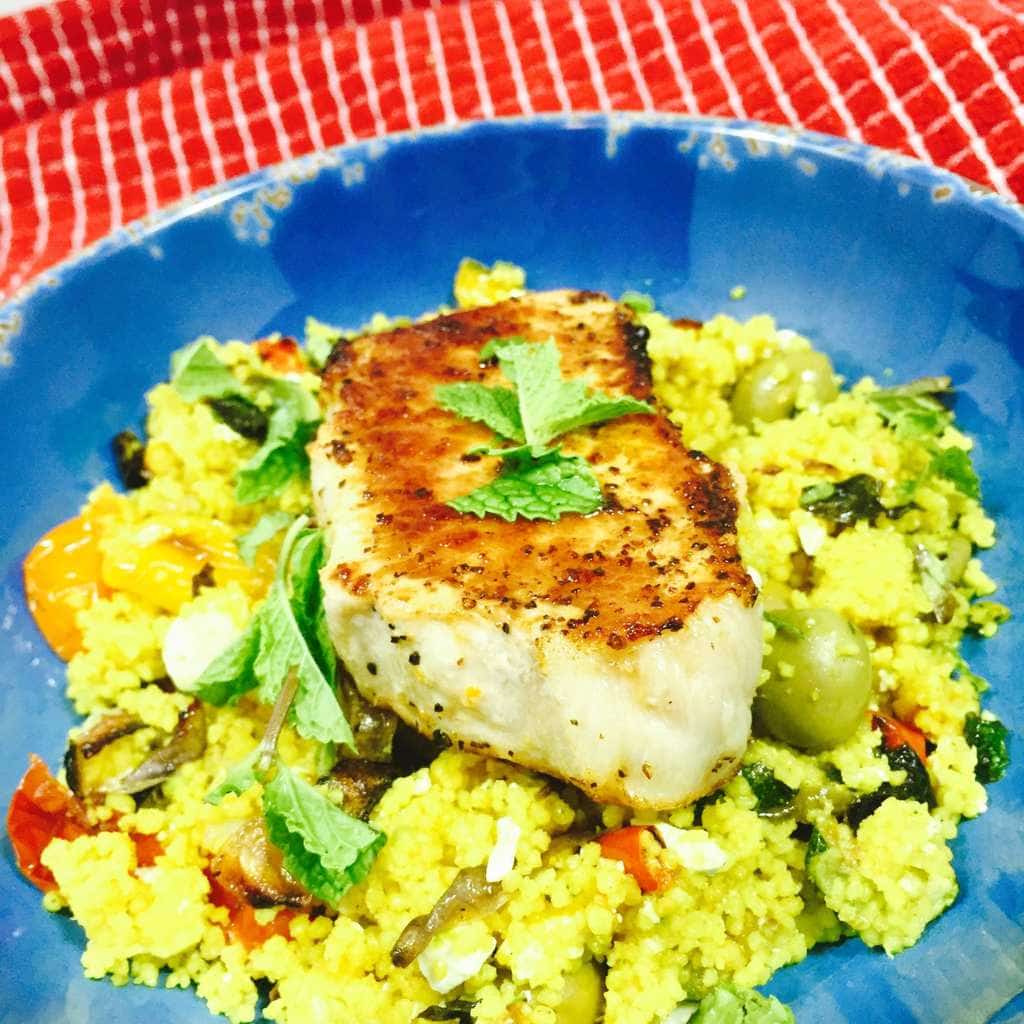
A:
292, 424
322, 847
548, 405
267, 526
315, 711
497, 408
639, 302
308, 598
230, 674
594, 408
911, 414
844, 502
955, 465
988, 736
774, 798
536, 489
268, 472
730, 1005
287, 634
196, 373
286, 647
536, 481
320, 340
238, 779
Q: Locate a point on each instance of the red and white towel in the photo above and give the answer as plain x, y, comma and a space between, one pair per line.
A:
110, 110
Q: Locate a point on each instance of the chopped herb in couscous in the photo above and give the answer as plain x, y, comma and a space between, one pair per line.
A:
231, 811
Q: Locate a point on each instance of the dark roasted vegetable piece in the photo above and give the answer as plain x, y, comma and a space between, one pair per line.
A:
89, 743
460, 1010
705, 802
774, 798
187, 743
917, 786
250, 867
411, 750
130, 459
360, 783
373, 728
469, 896
242, 416
848, 500
988, 737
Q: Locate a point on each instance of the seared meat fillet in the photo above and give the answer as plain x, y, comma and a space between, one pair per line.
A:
619, 650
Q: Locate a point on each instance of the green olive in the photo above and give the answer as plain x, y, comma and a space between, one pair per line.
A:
773, 388
819, 680
582, 997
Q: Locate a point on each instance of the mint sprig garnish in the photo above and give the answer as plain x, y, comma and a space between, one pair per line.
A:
536, 480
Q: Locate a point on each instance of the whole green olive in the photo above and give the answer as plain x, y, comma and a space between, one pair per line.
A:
819, 680
582, 997
771, 389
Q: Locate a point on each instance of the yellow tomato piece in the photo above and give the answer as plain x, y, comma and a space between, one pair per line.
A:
161, 573
62, 575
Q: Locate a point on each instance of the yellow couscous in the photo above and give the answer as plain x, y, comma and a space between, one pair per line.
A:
772, 865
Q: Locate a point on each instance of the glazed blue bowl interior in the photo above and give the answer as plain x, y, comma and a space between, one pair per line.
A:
883, 263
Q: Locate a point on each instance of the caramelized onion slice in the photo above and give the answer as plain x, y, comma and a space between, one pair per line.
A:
250, 867
187, 743
470, 895
89, 743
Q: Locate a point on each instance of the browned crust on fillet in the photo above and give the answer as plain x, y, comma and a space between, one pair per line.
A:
665, 541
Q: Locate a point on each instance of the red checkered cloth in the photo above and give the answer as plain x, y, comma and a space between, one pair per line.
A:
111, 110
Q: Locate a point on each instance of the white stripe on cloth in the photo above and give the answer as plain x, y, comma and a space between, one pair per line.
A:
404, 77
632, 61
203, 33
93, 41
40, 201
65, 52
6, 223
671, 52
547, 44
109, 168
195, 78
141, 153
238, 116
475, 60
34, 62
757, 46
896, 108
13, 94
67, 141
579, 23
124, 37
828, 83
440, 67
717, 60
173, 135
366, 72
508, 40
273, 108
980, 47
956, 108
334, 87
305, 96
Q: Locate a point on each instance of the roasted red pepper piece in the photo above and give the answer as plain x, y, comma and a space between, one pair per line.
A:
626, 845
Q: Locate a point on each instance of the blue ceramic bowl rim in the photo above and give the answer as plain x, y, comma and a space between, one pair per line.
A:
883, 162
690, 131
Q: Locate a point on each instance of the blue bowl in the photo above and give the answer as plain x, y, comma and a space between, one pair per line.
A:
883, 262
